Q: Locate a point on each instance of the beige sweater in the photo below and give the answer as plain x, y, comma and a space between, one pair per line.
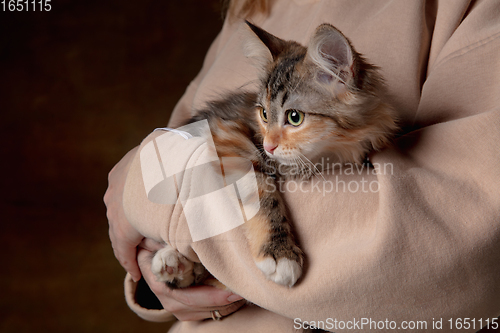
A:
423, 242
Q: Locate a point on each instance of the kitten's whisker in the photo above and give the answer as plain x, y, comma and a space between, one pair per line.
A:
314, 171
299, 164
303, 166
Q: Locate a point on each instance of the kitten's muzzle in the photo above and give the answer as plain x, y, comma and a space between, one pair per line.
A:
270, 147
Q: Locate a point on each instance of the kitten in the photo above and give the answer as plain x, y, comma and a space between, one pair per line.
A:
324, 99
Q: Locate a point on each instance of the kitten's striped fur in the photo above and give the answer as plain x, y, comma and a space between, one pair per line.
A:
321, 100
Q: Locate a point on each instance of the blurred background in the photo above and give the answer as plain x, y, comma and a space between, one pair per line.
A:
80, 85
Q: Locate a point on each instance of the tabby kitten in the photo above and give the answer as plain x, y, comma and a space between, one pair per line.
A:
324, 99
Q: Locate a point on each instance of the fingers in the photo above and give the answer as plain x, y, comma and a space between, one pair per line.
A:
131, 266
185, 314
124, 238
228, 309
204, 297
151, 245
126, 252
200, 297
193, 315
207, 314
126, 255
193, 303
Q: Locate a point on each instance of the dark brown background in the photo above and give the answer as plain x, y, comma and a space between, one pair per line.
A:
79, 86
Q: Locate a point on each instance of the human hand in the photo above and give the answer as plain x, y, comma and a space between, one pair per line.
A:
187, 304
124, 238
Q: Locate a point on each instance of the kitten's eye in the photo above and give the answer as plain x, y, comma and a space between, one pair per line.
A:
263, 114
295, 117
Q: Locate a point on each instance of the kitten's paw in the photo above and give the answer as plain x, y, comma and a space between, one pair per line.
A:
282, 271
173, 268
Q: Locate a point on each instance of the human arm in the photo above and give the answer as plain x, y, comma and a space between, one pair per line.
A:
187, 304
134, 252
124, 238
425, 244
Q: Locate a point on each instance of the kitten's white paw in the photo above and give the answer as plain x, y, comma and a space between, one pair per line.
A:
181, 269
285, 272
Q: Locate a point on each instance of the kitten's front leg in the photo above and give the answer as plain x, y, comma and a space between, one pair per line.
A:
270, 236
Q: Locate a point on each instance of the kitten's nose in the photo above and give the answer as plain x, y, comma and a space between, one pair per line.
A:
270, 147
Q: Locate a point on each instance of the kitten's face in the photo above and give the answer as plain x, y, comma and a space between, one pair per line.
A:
292, 114
319, 100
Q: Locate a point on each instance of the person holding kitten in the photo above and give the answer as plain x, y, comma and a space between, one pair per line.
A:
421, 246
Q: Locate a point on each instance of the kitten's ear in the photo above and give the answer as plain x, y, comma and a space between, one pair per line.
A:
265, 48
332, 53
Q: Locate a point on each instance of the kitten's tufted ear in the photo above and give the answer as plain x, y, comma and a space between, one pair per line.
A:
261, 45
333, 55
